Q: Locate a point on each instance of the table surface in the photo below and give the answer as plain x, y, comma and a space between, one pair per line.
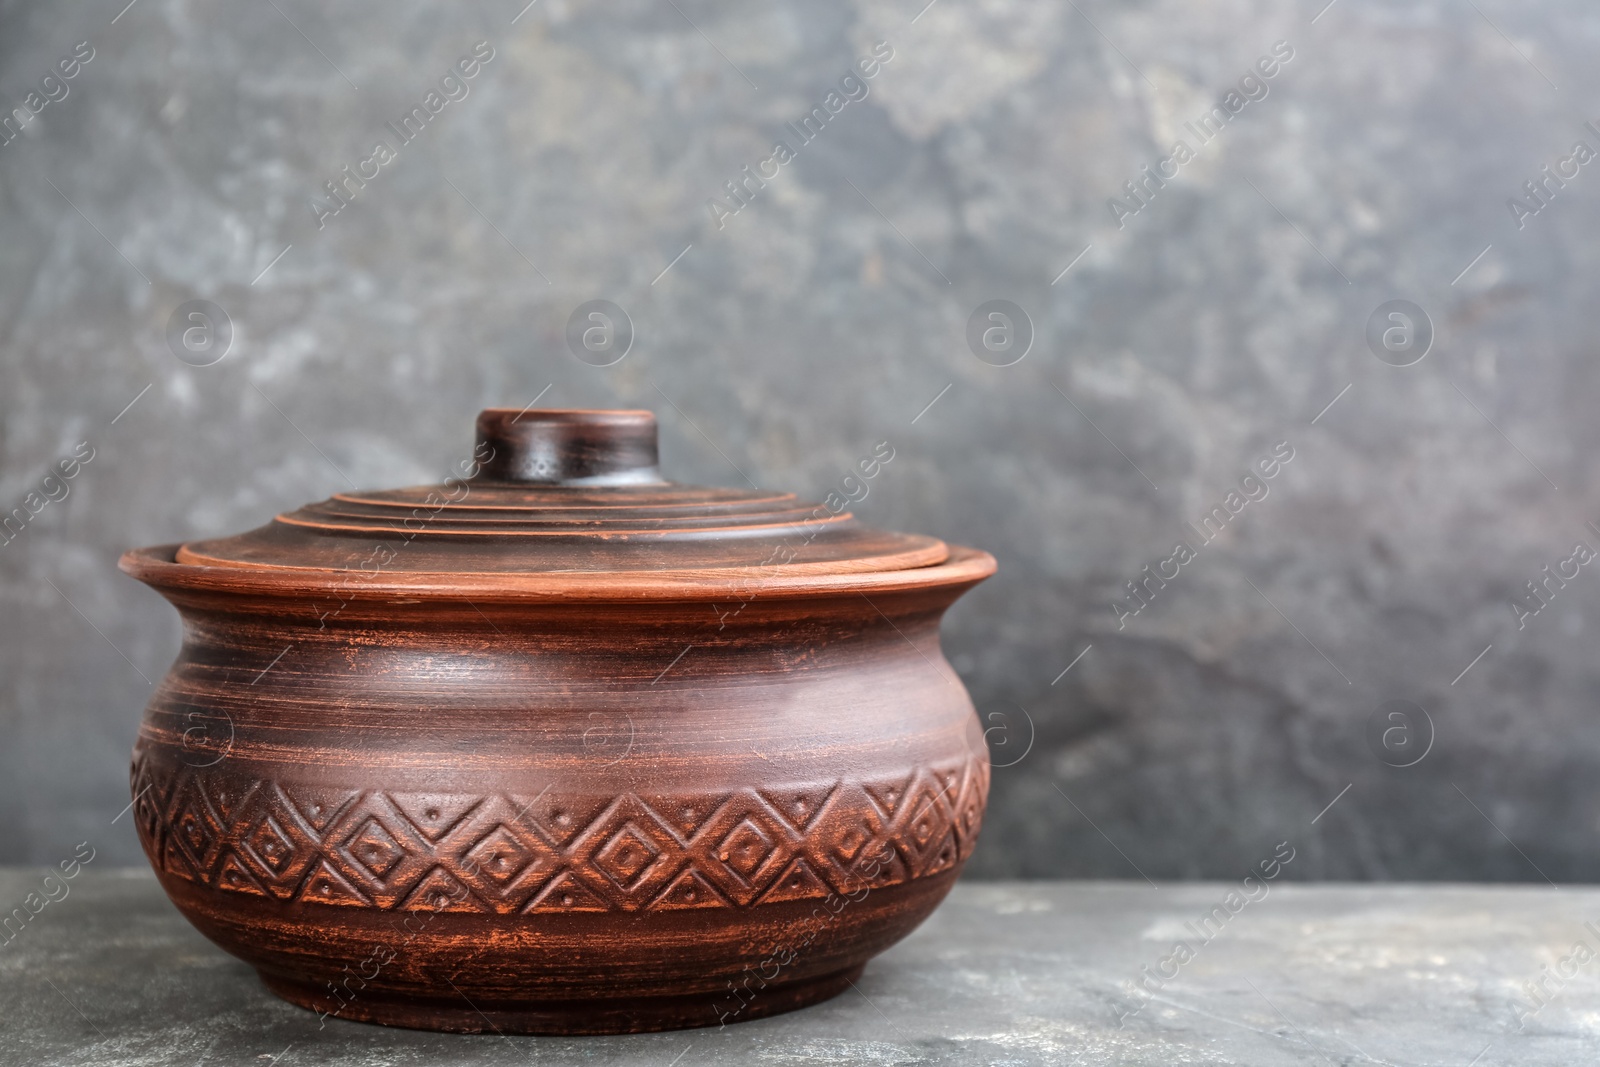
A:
1003, 974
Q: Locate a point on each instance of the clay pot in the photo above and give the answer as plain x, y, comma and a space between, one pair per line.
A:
558, 746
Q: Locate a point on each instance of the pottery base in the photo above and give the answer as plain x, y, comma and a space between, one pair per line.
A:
622, 1016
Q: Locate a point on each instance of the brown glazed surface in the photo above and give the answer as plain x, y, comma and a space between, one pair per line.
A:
557, 746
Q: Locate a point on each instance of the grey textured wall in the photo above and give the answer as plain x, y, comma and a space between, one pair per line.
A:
1217, 320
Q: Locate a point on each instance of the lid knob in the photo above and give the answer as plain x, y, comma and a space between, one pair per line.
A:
568, 447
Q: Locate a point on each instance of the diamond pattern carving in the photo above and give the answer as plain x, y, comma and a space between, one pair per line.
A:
625, 854
554, 854
744, 849
194, 831
500, 856
271, 847
375, 849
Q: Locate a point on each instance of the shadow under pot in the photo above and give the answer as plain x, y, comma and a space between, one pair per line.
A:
558, 746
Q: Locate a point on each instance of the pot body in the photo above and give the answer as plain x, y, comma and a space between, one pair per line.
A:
559, 817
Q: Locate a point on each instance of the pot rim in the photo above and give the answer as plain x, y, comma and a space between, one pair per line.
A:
157, 567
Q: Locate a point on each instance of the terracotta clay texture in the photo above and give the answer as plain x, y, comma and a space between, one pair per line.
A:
558, 746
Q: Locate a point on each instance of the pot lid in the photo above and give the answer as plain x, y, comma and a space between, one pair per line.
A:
571, 493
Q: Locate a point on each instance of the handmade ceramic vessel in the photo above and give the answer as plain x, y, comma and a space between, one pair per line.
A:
558, 746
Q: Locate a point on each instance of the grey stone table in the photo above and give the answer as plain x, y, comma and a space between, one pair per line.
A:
1004, 973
